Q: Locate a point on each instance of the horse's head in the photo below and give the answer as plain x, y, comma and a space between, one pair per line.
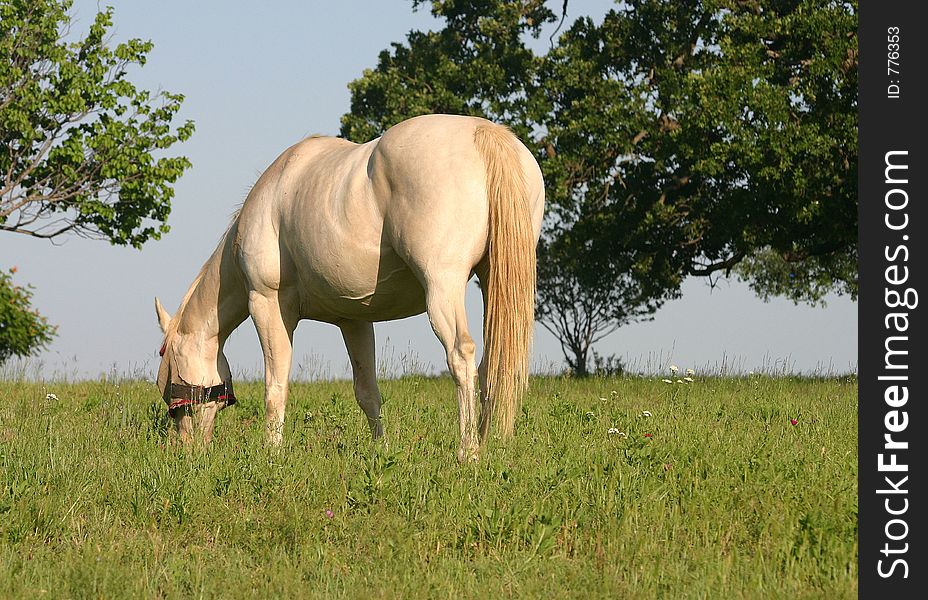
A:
194, 378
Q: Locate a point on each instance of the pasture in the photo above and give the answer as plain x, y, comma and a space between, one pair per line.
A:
716, 494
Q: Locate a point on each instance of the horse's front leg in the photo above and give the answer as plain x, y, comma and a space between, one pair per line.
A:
275, 321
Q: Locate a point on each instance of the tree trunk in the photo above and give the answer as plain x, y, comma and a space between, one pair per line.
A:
579, 362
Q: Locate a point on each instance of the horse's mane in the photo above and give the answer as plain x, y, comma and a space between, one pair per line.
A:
175, 320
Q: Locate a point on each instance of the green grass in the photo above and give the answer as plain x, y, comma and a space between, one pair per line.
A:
726, 499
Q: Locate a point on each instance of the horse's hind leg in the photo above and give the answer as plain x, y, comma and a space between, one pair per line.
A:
359, 340
445, 306
275, 321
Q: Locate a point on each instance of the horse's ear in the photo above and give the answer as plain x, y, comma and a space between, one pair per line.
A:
164, 319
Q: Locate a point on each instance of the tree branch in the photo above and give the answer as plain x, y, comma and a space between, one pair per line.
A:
725, 265
36, 234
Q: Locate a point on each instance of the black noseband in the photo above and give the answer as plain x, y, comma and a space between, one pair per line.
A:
182, 395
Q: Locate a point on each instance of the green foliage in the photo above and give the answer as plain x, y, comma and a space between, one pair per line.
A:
82, 141
734, 136
23, 331
810, 280
676, 139
725, 499
81, 145
477, 64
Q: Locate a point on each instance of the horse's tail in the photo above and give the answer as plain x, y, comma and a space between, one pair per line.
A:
510, 294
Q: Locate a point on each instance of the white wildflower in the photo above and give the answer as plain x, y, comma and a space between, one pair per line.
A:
679, 381
601, 398
688, 379
666, 381
614, 430
690, 372
674, 369
51, 397
646, 413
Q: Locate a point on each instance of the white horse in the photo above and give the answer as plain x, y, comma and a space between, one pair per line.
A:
350, 234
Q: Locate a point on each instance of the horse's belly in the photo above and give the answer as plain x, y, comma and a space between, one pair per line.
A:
384, 292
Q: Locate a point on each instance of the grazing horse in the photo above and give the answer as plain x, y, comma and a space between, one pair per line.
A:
350, 234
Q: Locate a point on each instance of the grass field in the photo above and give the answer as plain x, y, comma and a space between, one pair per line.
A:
715, 495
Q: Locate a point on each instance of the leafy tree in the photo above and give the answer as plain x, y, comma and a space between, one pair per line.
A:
478, 64
725, 129
22, 330
584, 292
695, 137
79, 139
79, 144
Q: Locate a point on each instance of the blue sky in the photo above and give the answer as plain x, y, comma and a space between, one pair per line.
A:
260, 76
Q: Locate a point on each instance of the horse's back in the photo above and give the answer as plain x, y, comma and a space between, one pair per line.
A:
356, 229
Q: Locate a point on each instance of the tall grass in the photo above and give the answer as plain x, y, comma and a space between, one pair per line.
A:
715, 495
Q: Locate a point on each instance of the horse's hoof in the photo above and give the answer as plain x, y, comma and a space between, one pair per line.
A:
274, 439
466, 456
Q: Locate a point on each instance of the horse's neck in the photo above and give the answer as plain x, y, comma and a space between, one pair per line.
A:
217, 302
